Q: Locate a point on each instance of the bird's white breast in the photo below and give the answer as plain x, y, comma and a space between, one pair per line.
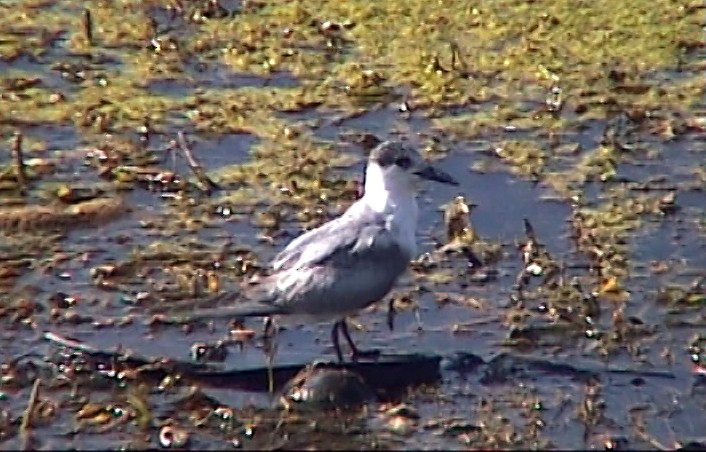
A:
392, 196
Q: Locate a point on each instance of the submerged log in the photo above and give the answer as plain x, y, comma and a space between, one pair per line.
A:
386, 375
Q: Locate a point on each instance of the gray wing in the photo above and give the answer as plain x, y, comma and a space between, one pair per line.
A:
348, 234
342, 266
338, 268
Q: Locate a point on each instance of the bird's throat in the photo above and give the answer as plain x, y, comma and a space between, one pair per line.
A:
397, 202
386, 195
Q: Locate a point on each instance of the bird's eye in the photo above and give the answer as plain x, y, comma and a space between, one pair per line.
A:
403, 162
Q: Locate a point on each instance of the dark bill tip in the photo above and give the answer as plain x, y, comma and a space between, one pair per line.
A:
435, 174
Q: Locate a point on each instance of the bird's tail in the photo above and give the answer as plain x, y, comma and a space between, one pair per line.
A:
244, 309
237, 307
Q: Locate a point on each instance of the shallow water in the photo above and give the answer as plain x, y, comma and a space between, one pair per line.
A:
643, 391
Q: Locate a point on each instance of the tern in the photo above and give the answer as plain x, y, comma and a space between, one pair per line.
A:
354, 260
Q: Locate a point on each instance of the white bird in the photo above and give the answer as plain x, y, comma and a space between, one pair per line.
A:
353, 261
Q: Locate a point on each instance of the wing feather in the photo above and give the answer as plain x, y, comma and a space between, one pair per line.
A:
340, 237
341, 266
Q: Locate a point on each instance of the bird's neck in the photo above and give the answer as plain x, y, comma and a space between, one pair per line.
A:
397, 202
388, 196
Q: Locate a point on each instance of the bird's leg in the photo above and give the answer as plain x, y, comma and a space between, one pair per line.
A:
270, 348
418, 318
355, 351
268, 330
391, 312
334, 339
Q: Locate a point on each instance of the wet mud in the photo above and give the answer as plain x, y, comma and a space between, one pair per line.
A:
157, 153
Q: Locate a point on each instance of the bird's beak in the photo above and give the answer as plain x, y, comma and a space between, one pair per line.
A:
432, 173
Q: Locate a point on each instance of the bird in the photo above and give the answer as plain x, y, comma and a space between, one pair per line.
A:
353, 261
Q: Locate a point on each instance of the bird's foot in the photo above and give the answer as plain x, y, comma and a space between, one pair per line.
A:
356, 353
370, 354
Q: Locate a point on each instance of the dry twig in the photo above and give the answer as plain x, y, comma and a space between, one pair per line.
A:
28, 416
206, 184
88, 26
19, 161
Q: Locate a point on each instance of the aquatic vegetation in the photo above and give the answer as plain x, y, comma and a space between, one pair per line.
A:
156, 152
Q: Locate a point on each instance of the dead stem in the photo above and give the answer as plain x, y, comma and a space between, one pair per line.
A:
205, 183
88, 26
16, 144
67, 342
456, 57
27, 417
641, 432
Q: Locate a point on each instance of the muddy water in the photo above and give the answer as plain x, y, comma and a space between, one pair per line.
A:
566, 389
503, 201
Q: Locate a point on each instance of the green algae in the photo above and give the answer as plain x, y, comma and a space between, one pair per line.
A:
523, 79
436, 55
